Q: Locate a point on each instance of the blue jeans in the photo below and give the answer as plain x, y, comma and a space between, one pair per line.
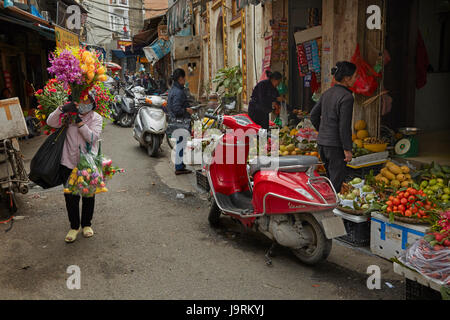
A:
181, 144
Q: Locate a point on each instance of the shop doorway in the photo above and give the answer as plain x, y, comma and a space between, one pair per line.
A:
302, 15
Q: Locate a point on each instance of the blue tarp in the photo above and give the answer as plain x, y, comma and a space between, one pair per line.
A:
35, 12
157, 50
8, 3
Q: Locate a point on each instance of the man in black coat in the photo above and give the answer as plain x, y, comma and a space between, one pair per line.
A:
332, 117
178, 105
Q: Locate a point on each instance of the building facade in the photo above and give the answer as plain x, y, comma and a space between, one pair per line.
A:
111, 24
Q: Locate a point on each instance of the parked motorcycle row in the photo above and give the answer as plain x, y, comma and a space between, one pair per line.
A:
146, 112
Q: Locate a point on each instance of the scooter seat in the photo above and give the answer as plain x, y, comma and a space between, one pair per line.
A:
264, 162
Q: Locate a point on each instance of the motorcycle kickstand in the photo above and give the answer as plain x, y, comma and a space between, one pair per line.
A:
270, 254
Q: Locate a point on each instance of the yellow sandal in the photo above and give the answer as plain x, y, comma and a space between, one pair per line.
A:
88, 232
72, 235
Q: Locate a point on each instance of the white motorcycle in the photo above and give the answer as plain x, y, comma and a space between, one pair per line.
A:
150, 124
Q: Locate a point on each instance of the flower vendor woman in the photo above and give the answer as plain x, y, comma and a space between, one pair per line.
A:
86, 128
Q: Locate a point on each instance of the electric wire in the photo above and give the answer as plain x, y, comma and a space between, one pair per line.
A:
127, 7
115, 14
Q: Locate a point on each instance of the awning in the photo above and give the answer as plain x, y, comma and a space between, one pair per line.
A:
145, 37
157, 50
18, 13
119, 53
48, 33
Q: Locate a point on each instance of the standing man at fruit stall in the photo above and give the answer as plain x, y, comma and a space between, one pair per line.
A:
332, 117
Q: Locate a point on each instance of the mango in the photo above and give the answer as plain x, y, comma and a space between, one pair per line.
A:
362, 134
360, 125
393, 168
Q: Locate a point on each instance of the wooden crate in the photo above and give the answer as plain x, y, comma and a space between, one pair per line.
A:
12, 121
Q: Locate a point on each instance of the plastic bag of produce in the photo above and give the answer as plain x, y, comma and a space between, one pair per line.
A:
433, 262
86, 178
306, 131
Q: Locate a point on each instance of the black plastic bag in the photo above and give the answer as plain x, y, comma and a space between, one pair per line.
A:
44, 168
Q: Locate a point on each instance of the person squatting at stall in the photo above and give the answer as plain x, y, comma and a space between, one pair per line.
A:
87, 128
332, 117
178, 105
263, 97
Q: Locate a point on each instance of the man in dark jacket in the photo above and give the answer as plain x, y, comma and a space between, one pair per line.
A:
332, 117
178, 105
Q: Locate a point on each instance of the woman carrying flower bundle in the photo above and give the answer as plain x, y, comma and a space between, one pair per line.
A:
86, 128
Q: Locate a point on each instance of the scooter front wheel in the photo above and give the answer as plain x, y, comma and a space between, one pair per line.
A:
153, 146
320, 247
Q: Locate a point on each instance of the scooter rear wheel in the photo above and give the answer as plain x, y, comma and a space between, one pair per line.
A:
320, 249
126, 120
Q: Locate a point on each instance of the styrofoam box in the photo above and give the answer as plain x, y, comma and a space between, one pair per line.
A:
389, 240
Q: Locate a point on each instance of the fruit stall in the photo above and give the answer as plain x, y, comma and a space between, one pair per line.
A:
402, 213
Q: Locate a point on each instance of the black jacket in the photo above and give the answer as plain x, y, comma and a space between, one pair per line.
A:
332, 117
177, 101
260, 105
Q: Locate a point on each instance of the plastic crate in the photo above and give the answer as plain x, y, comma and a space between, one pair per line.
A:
202, 180
389, 240
417, 291
357, 227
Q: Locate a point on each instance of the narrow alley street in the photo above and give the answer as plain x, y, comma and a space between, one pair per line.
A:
150, 245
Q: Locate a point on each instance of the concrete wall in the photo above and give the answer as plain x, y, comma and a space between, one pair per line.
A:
96, 24
136, 17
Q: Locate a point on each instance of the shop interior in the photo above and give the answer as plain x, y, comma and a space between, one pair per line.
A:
418, 74
302, 15
24, 58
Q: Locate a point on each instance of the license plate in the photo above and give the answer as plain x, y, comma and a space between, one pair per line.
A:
333, 227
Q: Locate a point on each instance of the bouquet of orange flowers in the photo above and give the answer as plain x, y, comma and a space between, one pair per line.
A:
78, 69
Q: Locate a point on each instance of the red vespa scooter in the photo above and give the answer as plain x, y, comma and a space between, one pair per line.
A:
289, 202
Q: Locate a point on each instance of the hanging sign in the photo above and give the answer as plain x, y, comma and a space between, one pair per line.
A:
65, 38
